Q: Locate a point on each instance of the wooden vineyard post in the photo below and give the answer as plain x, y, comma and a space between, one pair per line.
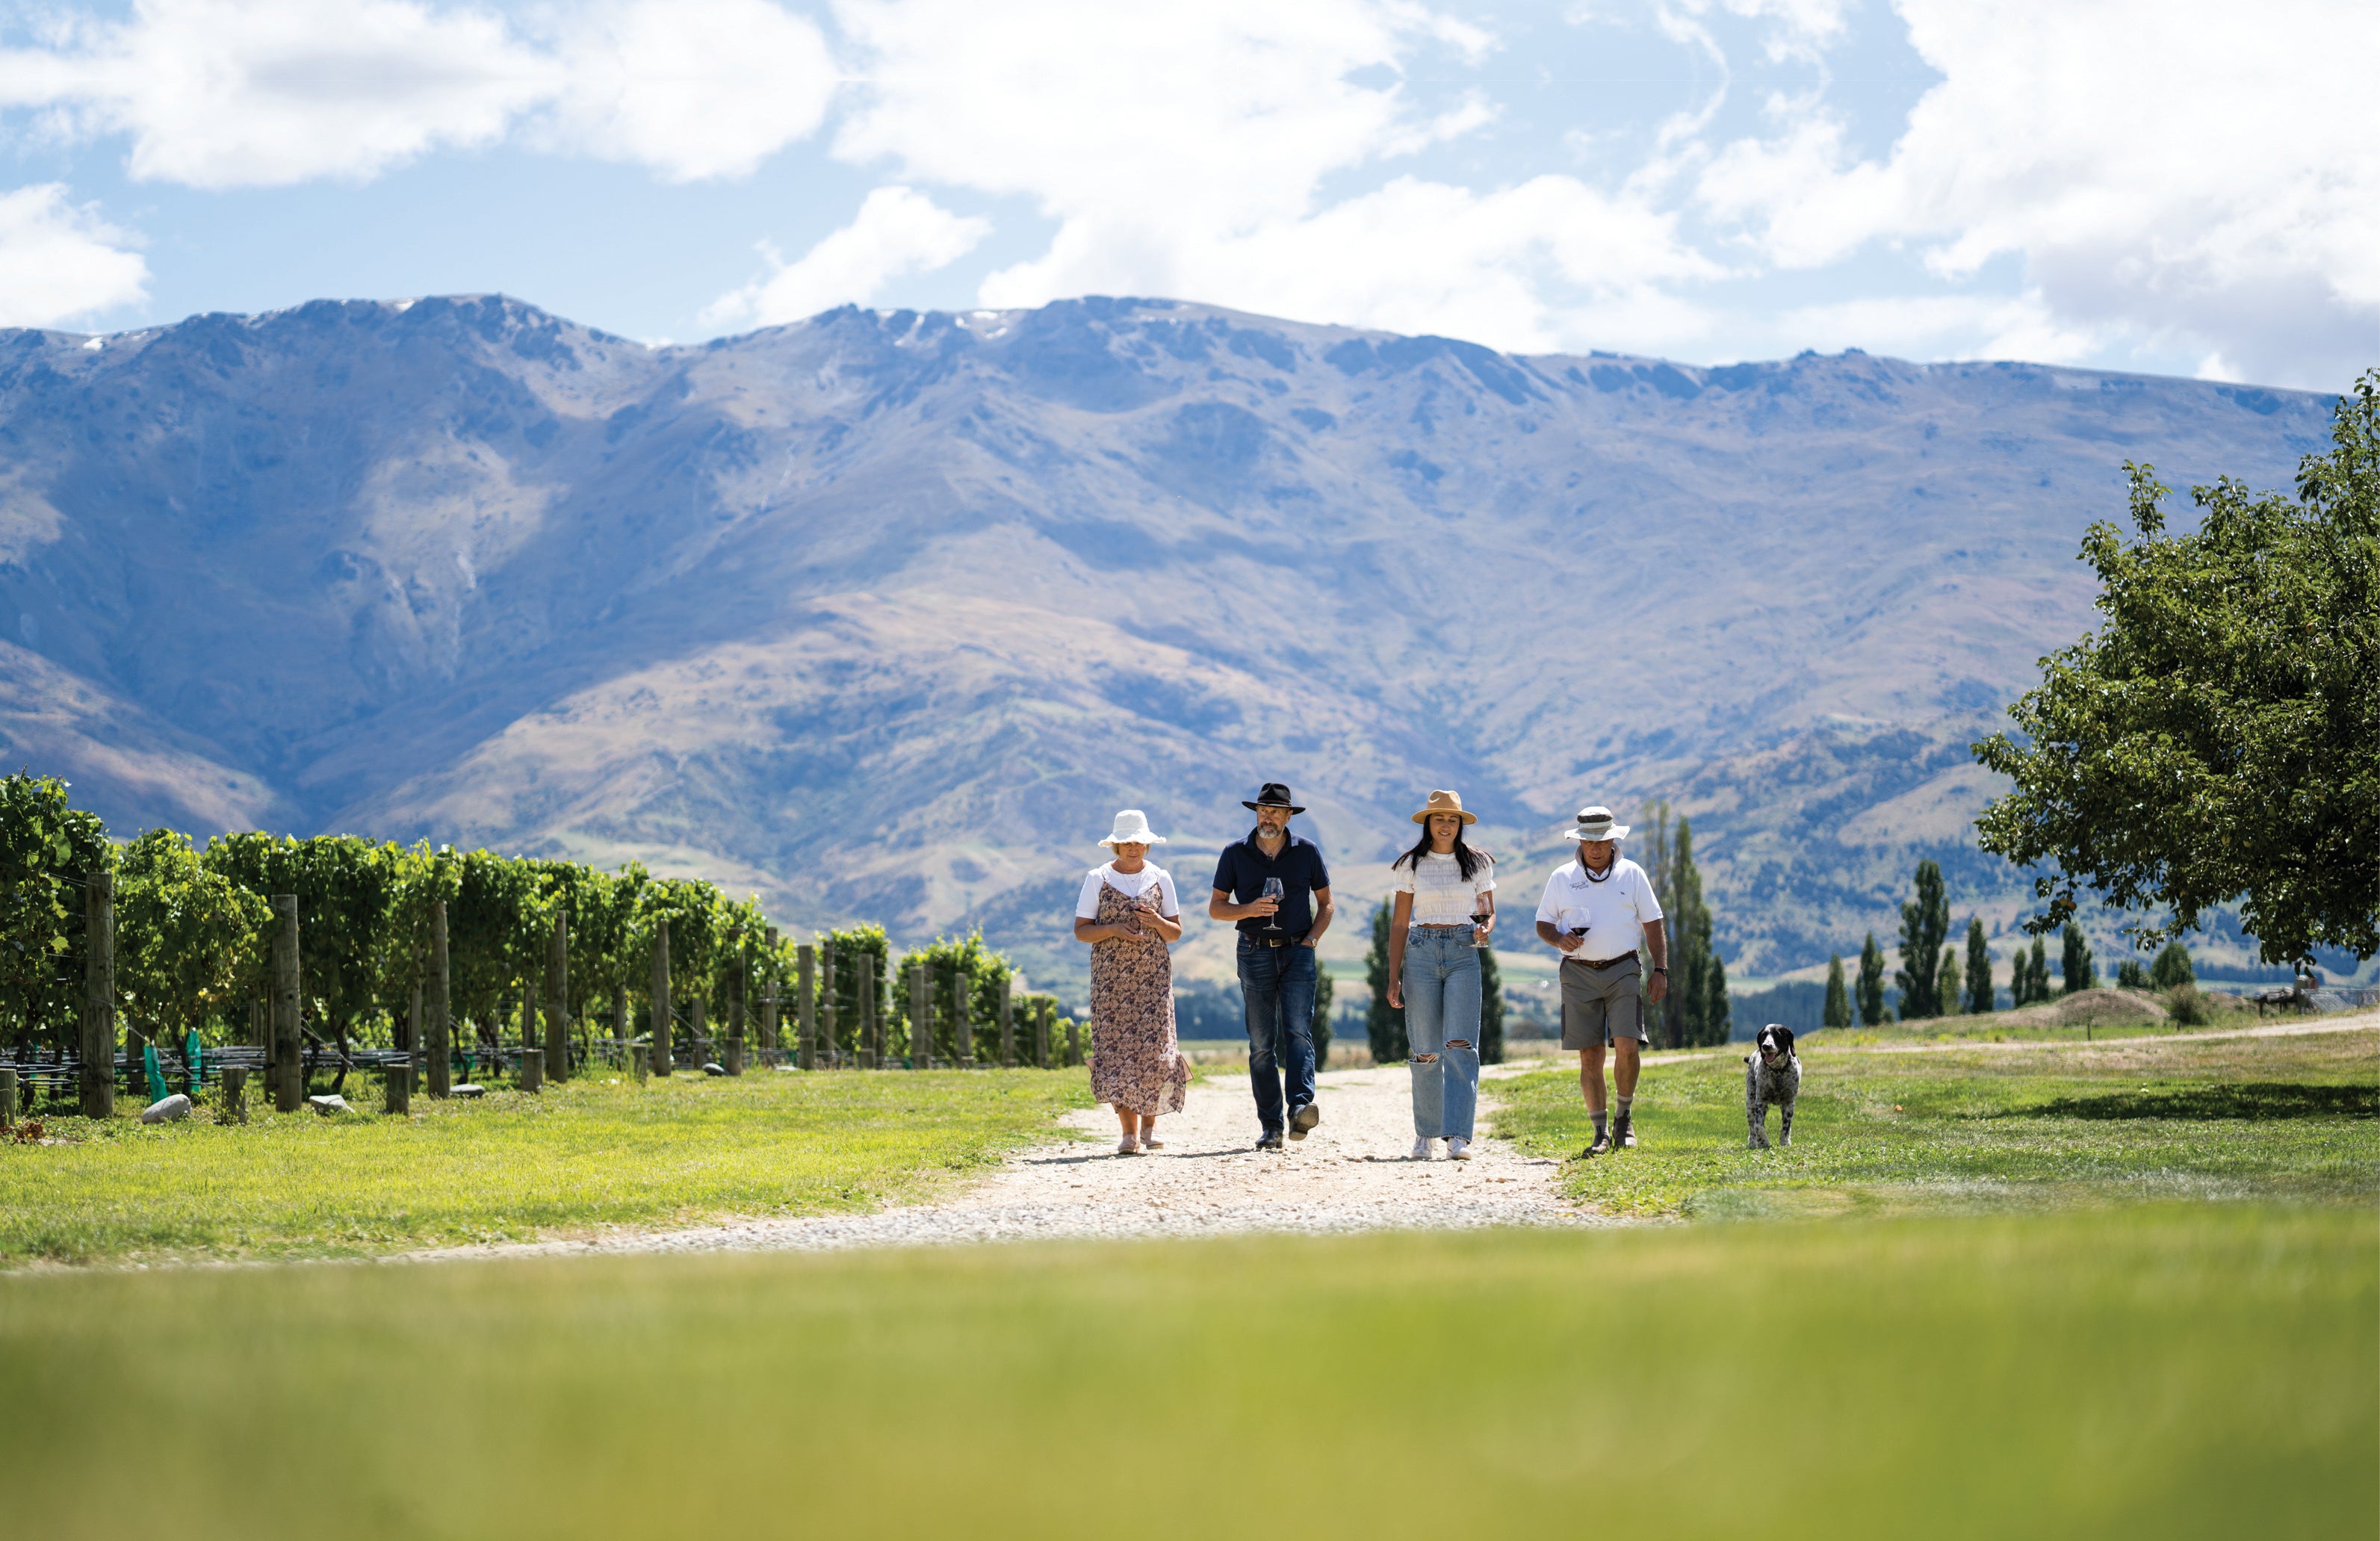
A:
869, 1040
739, 985
400, 1090
620, 1022
1041, 1033
805, 1003
697, 1028
660, 1055
289, 1062
769, 998
437, 1055
557, 998
532, 1071
257, 1032
961, 1017
8, 1095
921, 1020
1007, 1021
99, 998
412, 1044
233, 1086
529, 1036
830, 1047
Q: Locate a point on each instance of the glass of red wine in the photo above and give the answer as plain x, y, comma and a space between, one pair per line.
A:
1479, 919
1273, 891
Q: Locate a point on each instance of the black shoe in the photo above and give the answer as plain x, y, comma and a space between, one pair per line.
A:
1302, 1120
1624, 1130
1268, 1140
1602, 1147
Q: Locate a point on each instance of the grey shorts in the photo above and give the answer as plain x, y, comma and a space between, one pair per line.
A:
1600, 1004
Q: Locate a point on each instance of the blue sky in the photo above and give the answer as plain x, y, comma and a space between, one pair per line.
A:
2168, 186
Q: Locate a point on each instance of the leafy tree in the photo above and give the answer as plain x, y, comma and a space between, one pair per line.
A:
47, 848
1924, 925
1492, 1009
2172, 968
2080, 972
1383, 1024
1839, 1003
1948, 981
1871, 984
2130, 975
2219, 736
1982, 996
2040, 971
188, 940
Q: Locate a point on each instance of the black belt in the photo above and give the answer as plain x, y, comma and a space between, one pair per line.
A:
1261, 941
1603, 962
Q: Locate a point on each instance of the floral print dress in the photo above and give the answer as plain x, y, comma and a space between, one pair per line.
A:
1136, 1063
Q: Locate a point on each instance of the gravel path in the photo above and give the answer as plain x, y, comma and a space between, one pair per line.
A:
1350, 1175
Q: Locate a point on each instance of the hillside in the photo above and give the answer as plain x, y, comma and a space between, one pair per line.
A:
883, 614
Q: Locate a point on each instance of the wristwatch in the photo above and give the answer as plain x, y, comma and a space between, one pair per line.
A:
1659, 969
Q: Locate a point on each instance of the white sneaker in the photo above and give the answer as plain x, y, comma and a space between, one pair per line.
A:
1458, 1150
1421, 1151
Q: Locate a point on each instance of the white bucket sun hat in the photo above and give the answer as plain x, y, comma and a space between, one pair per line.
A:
1132, 829
1595, 823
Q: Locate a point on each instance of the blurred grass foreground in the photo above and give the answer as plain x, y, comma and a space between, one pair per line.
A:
2160, 1370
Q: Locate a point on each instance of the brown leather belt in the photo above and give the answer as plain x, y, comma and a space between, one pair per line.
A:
1603, 962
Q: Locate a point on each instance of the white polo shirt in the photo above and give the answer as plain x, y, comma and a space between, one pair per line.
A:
1615, 911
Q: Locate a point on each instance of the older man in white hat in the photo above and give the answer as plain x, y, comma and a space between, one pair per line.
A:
1597, 911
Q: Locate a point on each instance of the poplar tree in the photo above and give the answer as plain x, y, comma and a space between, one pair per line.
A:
1947, 983
1981, 998
1492, 1009
1924, 926
2040, 970
1871, 984
1696, 1009
1383, 1024
1839, 1003
2080, 972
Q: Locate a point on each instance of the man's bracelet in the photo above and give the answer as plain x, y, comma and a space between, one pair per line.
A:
1659, 969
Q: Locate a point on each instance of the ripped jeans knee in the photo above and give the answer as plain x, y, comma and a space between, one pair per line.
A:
1425, 1058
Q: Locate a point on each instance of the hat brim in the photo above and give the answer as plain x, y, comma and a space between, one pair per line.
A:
1285, 807
1424, 815
1616, 832
1112, 842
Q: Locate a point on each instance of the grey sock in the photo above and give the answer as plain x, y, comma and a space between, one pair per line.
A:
1624, 1105
1600, 1127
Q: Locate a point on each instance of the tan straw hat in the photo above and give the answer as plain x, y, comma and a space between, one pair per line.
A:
1445, 802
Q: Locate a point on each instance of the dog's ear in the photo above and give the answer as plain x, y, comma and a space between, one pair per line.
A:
1784, 1040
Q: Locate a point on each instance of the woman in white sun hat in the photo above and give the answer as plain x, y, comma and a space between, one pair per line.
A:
1129, 914
1445, 909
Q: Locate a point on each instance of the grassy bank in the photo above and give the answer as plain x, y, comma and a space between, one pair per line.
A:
2294, 1119
603, 1151
2159, 1371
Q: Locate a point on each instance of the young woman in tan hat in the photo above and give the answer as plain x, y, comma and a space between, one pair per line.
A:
1445, 910
1129, 914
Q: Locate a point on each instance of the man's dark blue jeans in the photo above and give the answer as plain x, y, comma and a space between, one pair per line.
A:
1276, 988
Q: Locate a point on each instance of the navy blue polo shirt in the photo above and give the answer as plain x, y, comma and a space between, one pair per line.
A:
1243, 867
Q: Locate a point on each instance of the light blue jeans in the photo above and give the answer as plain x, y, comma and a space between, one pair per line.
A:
1442, 985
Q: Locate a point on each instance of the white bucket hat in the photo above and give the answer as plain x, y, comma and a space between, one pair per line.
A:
1595, 823
1132, 829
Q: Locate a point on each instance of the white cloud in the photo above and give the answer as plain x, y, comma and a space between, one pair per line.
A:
1184, 150
59, 262
2174, 173
898, 232
220, 93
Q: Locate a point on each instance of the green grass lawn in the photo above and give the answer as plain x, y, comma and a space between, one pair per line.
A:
2168, 1370
2292, 1119
601, 1151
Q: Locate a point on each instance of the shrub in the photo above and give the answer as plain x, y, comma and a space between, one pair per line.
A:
2172, 968
2130, 975
2188, 1006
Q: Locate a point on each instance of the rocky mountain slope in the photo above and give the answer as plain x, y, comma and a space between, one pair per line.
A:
884, 615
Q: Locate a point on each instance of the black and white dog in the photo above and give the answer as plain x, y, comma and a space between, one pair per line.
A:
1773, 1073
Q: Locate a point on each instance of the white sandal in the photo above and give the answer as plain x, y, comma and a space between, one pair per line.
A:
1127, 1147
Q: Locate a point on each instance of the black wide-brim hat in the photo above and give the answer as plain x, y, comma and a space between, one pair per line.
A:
1274, 795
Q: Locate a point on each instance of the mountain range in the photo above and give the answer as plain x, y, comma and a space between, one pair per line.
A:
883, 616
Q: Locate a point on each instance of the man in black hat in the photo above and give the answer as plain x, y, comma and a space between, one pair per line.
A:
1280, 921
